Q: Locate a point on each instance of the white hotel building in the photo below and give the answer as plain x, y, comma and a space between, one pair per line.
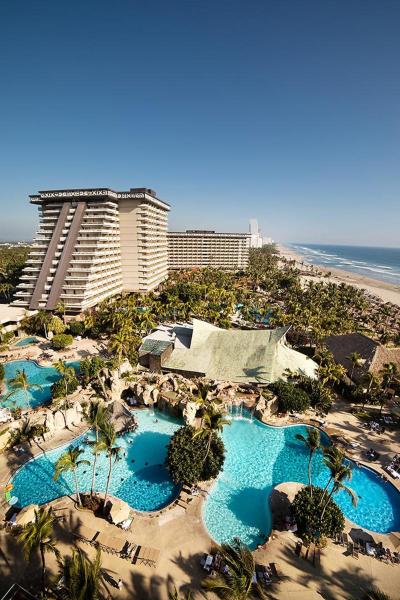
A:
93, 244
195, 248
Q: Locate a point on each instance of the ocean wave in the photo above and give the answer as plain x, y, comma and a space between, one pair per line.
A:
376, 270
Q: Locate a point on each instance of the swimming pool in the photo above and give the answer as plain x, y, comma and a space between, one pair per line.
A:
258, 458
140, 477
44, 376
27, 341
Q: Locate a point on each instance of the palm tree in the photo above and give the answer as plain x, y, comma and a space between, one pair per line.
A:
236, 583
81, 578
312, 441
67, 375
340, 471
21, 382
107, 443
69, 462
39, 535
174, 595
389, 374
61, 309
355, 359
213, 421
96, 417
119, 342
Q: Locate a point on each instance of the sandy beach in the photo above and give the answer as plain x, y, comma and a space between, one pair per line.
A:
385, 291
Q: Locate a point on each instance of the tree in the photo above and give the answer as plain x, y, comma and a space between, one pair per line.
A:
21, 382
119, 343
69, 461
389, 374
61, 341
290, 397
56, 325
174, 595
236, 582
107, 443
312, 441
39, 535
213, 421
92, 369
82, 578
61, 310
37, 323
355, 359
185, 459
312, 525
340, 471
67, 383
96, 418
2, 373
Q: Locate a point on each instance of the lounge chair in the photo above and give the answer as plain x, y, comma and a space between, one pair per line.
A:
276, 570
345, 539
208, 563
355, 552
86, 534
149, 556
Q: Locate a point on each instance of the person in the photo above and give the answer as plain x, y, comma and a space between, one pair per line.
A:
119, 584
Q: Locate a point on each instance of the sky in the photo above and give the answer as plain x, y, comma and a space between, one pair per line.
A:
283, 110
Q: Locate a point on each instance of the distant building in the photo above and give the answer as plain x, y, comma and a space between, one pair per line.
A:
242, 356
267, 241
202, 248
373, 354
255, 235
92, 244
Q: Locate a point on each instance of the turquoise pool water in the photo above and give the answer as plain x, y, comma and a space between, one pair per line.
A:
140, 477
259, 457
44, 376
27, 341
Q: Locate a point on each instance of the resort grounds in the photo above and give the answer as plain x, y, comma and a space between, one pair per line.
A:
179, 533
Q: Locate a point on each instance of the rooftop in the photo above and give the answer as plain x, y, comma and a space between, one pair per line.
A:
94, 194
243, 356
12, 314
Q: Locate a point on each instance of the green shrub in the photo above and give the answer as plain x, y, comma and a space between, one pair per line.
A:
320, 396
2, 372
307, 511
185, 460
61, 341
76, 328
58, 388
290, 397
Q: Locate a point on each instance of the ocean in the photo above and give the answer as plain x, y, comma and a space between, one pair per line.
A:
376, 263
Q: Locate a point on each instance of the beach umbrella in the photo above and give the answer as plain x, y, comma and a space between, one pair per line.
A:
27, 514
119, 511
359, 534
394, 539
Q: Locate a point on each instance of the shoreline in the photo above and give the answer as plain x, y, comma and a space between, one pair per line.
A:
385, 292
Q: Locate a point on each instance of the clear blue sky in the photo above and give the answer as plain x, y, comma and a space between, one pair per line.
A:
288, 111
